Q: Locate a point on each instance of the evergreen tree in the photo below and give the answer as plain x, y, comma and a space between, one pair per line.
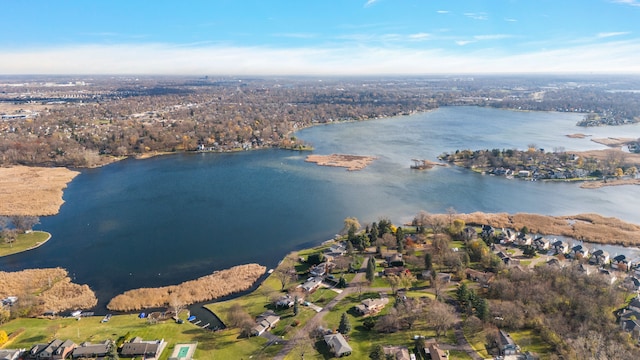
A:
295, 306
427, 261
349, 248
373, 235
345, 326
482, 308
371, 269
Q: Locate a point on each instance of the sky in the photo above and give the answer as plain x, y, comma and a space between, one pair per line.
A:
319, 37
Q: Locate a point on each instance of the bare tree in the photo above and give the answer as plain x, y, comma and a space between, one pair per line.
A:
441, 317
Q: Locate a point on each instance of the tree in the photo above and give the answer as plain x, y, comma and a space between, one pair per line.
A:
428, 264
237, 317
345, 326
24, 223
351, 224
441, 317
295, 306
482, 308
3, 337
377, 353
285, 272
371, 269
315, 259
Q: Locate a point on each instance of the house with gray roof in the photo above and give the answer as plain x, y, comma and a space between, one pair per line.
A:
338, 345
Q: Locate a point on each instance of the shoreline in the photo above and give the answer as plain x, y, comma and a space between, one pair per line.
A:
37, 245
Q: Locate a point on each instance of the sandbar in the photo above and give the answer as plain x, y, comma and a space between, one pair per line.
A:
33, 191
351, 162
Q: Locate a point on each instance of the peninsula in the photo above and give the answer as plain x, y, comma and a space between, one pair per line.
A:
33, 191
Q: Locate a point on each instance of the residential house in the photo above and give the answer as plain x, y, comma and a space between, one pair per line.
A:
599, 257
338, 345
321, 269
560, 247
312, 284
371, 306
632, 327
11, 354
523, 240
487, 231
88, 350
64, 350
394, 259
632, 283
579, 252
541, 244
44, 351
396, 352
144, 348
288, 301
506, 345
338, 249
435, 353
396, 270
264, 322
621, 263
469, 233
484, 278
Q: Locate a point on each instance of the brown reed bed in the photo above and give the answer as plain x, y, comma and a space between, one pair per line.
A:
46, 290
218, 284
33, 191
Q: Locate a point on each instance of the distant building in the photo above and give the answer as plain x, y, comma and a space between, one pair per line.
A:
338, 345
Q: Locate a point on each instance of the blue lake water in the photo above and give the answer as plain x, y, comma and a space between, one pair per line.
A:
161, 221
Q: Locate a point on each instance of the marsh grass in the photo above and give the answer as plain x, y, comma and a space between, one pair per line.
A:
218, 284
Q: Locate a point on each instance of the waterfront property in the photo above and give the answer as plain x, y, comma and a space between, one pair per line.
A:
148, 349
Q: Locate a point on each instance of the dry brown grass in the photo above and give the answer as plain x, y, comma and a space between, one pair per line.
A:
589, 227
218, 284
33, 191
611, 182
351, 162
46, 289
627, 158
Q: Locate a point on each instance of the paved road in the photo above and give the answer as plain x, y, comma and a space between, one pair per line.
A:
317, 318
462, 343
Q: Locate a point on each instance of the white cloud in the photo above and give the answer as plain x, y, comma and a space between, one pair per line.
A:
510, 20
464, 42
627, 2
609, 57
477, 16
611, 34
443, 11
370, 2
419, 36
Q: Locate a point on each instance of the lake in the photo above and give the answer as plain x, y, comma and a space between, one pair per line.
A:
164, 220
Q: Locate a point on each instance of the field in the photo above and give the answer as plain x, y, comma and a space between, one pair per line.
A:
211, 345
24, 242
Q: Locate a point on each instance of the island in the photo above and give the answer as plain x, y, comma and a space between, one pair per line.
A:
351, 162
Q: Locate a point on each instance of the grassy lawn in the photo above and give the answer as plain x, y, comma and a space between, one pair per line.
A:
529, 340
23, 242
477, 341
211, 345
459, 355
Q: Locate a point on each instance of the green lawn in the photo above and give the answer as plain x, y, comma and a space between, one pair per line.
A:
211, 345
23, 242
529, 340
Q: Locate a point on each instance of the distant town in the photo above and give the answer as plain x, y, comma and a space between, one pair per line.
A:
91, 120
